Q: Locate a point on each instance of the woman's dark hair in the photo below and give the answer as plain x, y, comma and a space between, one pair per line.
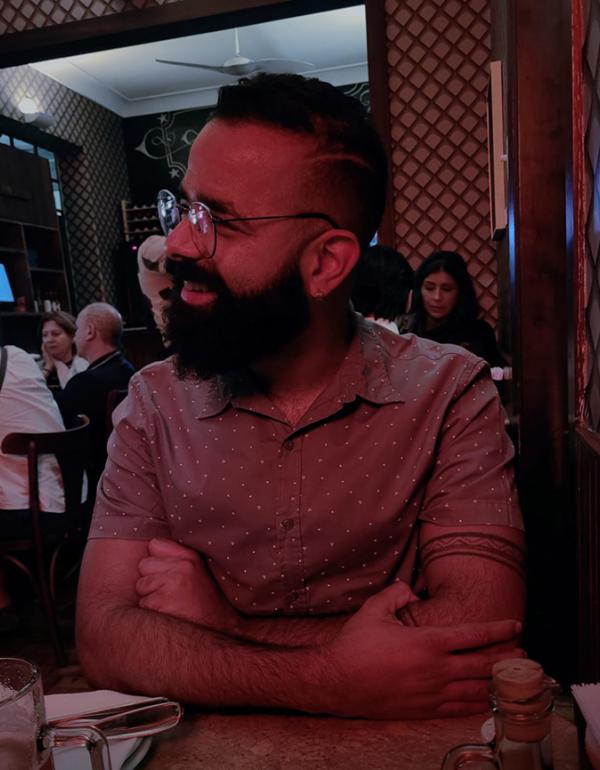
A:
355, 162
466, 308
382, 282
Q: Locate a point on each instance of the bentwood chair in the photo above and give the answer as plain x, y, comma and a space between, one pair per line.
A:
34, 555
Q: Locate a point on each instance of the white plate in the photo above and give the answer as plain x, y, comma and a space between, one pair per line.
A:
125, 753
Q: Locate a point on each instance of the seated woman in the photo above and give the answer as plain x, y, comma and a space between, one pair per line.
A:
60, 362
445, 308
26, 405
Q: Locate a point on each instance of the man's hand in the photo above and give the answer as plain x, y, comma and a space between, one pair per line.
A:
385, 670
175, 581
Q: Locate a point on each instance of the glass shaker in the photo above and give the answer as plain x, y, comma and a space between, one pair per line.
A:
521, 699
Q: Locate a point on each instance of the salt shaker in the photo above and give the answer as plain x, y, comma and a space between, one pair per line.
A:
521, 699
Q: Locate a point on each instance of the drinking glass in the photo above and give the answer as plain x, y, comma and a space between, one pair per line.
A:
25, 738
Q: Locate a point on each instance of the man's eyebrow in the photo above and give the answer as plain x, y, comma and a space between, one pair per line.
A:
218, 206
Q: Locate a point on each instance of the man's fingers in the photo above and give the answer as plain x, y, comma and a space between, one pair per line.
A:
478, 665
149, 584
160, 546
389, 600
473, 636
151, 565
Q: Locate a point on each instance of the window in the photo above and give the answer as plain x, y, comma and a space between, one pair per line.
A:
41, 152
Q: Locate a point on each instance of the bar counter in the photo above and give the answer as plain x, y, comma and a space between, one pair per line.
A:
251, 741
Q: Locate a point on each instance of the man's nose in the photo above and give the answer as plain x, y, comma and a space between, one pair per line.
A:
182, 244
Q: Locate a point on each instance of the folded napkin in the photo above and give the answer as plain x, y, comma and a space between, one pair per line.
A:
124, 752
588, 700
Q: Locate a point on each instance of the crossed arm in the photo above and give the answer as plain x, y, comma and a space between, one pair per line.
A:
151, 620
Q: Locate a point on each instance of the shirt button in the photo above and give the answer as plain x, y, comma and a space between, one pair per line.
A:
288, 444
287, 524
293, 596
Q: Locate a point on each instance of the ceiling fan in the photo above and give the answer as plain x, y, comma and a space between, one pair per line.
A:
239, 65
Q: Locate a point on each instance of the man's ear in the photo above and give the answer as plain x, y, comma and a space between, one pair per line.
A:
332, 257
90, 330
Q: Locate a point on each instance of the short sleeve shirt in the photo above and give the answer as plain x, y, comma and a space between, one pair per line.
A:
312, 518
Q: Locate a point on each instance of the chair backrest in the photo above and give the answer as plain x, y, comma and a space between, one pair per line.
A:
71, 448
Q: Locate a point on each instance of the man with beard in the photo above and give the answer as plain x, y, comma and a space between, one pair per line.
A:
279, 492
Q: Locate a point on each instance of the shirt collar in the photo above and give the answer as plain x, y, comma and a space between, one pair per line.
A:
103, 359
365, 372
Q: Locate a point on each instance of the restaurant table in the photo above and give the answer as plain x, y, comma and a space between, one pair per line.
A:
252, 741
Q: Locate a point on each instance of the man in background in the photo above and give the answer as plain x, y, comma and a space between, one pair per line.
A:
383, 283
26, 406
97, 338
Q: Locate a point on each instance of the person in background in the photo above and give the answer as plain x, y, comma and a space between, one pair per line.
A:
155, 282
59, 359
26, 406
98, 336
445, 308
383, 283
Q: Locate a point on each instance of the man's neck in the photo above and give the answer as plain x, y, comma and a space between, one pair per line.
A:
98, 352
296, 375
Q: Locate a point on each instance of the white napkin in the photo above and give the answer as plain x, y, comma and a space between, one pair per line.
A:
588, 700
71, 704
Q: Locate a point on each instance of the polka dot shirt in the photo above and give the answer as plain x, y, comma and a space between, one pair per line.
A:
312, 519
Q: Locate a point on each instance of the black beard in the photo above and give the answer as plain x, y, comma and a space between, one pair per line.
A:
236, 331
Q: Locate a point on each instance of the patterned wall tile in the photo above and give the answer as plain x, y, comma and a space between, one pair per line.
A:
591, 73
21, 15
438, 51
94, 180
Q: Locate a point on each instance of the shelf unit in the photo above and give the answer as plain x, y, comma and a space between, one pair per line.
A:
30, 248
139, 221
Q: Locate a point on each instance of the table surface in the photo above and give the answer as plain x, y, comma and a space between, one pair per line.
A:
293, 742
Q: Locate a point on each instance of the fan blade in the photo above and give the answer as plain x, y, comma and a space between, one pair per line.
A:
223, 70
283, 65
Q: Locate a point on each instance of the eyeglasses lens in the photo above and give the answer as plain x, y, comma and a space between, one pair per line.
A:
168, 211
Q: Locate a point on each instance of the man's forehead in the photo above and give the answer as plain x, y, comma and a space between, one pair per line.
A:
253, 144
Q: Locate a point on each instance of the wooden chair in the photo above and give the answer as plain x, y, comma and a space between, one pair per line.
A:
71, 450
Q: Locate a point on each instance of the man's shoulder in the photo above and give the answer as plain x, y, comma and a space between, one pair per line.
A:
160, 378
410, 348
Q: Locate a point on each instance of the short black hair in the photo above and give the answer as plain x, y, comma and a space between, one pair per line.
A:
466, 308
382, 282
341, 125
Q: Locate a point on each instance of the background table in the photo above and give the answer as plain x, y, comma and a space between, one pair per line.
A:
292, 742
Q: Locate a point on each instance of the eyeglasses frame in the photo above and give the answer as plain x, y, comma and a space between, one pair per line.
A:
188, 209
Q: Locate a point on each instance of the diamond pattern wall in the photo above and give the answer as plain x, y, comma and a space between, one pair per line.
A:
93, 180
591, 73
438, 52
20, 15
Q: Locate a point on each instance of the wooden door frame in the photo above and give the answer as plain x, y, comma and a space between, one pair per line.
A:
188, 17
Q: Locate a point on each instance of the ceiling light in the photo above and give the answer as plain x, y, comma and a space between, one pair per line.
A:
32, 113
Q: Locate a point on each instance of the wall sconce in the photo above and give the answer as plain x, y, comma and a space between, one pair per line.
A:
32, 114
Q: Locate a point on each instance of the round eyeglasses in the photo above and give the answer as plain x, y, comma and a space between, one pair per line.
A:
204, 222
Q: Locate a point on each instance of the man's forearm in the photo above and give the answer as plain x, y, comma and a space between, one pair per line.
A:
136, 650
290, 632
